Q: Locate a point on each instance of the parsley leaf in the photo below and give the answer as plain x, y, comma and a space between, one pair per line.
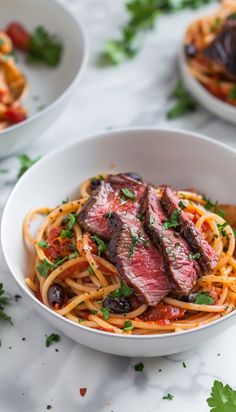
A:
222, 399
184, 365
43, 244
128, 326
44, 267
204, 298
222, 229
194, 256
102, 247
128, 193
174, 220
3, 301
213, 207
106, 313
25, 163
184, 104
71, 219
123, 292
182, 205
65, 233
54, 337
139, 367
232, 93
168, 397
45, 47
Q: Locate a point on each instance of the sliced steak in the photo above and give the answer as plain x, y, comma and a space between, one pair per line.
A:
117, 193
162, 312
208, 257
137, 261
182, 270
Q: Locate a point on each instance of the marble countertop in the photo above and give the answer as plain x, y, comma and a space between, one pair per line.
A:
32, 377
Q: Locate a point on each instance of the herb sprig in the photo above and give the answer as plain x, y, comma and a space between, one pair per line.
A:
50, 339
204, 298
4, 301
185, 103
102, 246
173, 221
45, 47
222, 399
25, 164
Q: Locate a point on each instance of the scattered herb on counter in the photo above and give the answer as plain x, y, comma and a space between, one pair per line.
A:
102, 246
4, 301
128, 326
184, 365
49, 407
43, 244
4, 171
168, 397
194, 256
25, 163
204, 298
128, 194
222, 399
143, 15
123, 292
174, 220
139, 367
44, 47
185, 103
50, 339
106, 313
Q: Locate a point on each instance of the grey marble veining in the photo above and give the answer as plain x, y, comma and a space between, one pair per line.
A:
33, 376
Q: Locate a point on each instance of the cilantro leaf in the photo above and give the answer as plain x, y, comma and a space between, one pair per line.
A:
43, 244
174, 220
71, 219
44, 267
102, 247
204, 298
128, 326
25, 164
105, 312
123, 292
185, 103
65, 233
54, 337
128, 193
168, 397
45, 47
139, 367
194, 256
3, 301
222, 399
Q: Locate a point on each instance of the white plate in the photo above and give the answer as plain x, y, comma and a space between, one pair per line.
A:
48, 88
210, 102
178, 158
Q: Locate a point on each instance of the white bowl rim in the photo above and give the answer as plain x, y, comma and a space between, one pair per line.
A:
84, 38
92, 137
209, 99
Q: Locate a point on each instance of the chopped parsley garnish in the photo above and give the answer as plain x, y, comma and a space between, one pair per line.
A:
45, 47
128, 194
3, 301
66, 233
135, 240
102, 247
222, 399
194, 256
185, 103
106, 313
25, 163
43, 244
123, 292
232, 93
222, 229
128, 326
151, 221
139, 367
213, 207
73, 255
44, 267
168, 397
54, 337
174, 220
71, 219
182, 205
204, 298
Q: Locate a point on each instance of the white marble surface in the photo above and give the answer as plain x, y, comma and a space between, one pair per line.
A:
33, 376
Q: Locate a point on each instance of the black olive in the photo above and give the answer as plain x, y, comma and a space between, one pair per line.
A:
95, 183
134, 176
56, 295
190, 50
190, 298
117, 305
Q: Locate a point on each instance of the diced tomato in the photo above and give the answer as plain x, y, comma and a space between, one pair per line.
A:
52, 253
53, 234
15, 114
19, 35
82, 391
162, 312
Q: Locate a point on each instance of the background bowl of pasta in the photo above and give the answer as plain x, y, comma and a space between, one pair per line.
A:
47, 60
180, 159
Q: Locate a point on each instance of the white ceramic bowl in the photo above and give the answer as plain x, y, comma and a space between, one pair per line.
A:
210, 102
179, 158
47, 87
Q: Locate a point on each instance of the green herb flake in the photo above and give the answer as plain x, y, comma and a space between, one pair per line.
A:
4, 301
44, 267
54, 337
43, 244
123, 292
106, 313
151, 221
139, 367
174, 220
25, 164
222, 399
93, 311
128, 193
71, 219
66, 233
102, 247
222, 230
182, 205
128, 326
45, 47
168, 397
213, 207
185, 103
90, 270
204, 298
184, 365
73, 255
195, 256
135, 240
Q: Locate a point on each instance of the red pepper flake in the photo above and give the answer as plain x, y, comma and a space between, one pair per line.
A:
82, 391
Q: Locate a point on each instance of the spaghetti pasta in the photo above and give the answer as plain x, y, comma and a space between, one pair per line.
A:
68, 259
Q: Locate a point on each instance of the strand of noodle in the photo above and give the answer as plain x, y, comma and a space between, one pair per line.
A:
194, 306
27, 220
148, 325
95, 281
78, 233
75, 319
107, 265
31, 284
84, 188
92, 262
191, 196
223, 295
105, 325
77, 287
218, 279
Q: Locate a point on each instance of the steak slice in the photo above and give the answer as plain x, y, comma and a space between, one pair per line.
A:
208, 257
182, 270
117, 193
137, 261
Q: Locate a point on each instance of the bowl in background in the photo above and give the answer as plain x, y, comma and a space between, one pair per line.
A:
49, 89
181, 159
